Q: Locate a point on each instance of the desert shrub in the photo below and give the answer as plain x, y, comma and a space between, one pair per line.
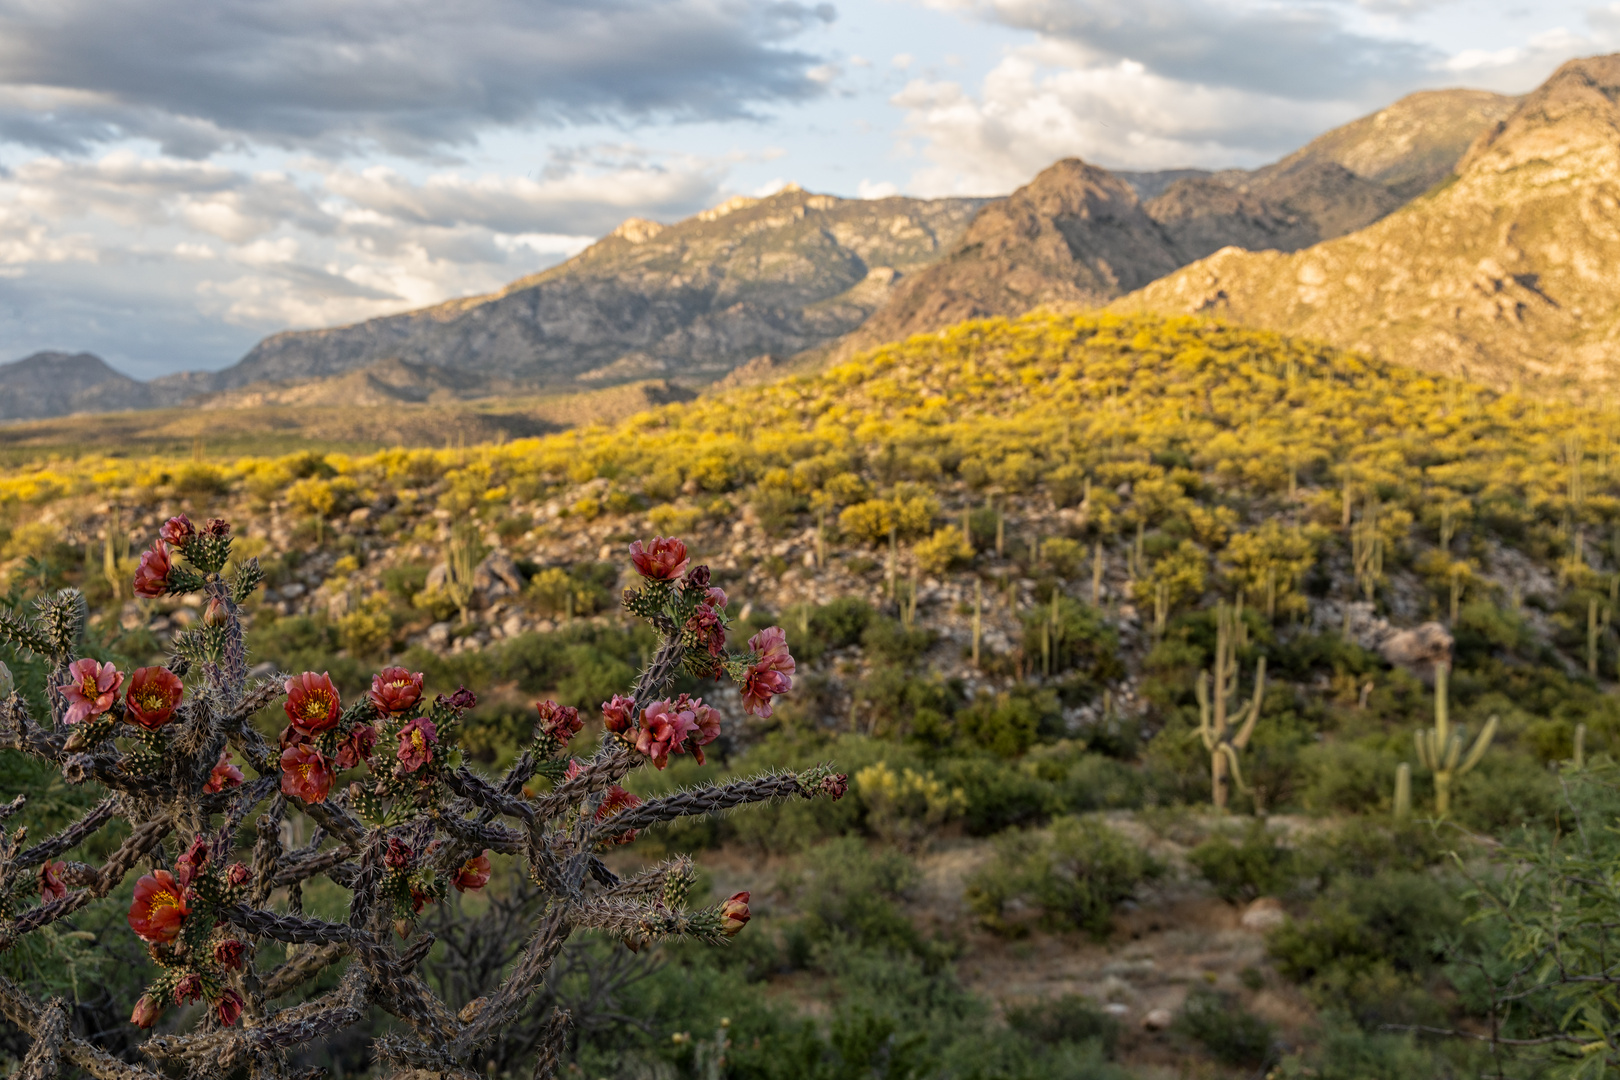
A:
888, 639
999, 794
1073, 875
1221, 1025
1347, 777
906, 805
851, 895
1259, 866
1070, 1018
1506, 792
1066, 557
946, 550
1371, 944
1074, 637
1004, 724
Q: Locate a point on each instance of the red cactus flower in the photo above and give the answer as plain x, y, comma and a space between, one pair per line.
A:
224, 775
734, 914
462, 700
395, 691
159, 907
416, 742
664, 560
191, 863
560, 721
177, 530
768, 676
188, 989
618, 714
217, 527
835, 786
236, 875
152, 575
419, 897
228, 1008
51, 885
93, 690
664, 728
706, 627
615, 800
716, 597
154, 694
291, 736
399, 854
357, 747
312, 704
305, 773
473, 875
707, 719
229, 954
148, 1011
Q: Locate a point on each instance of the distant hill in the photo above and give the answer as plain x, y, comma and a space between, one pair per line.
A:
1078, 235
60, 384
695, 299
1509, 274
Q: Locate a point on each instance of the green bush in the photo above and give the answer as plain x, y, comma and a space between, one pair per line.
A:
1073, 875
1370, 945
1221, 1025
1004, 724
888, 640
999, 794
1259, 866
1070, 1018
851, 895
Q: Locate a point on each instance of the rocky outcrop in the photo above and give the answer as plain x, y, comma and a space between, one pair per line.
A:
1078, 236
690, 300
60, 384
1506, 275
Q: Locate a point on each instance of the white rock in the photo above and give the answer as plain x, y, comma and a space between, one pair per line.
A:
438, 634
1157, 1019
292, 590
1264, 914
513, 626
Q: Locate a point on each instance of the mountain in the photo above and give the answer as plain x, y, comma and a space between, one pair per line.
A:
1078, 235
775, 275
60, 384
1507, 274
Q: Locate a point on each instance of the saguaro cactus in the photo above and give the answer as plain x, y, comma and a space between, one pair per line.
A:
1440, 748
1225, 727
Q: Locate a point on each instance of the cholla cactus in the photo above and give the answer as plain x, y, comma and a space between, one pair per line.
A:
416, 822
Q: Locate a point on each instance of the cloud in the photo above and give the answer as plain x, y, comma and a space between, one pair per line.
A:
1152, 84
170, 243
409, 76
1046, 101
1298, 50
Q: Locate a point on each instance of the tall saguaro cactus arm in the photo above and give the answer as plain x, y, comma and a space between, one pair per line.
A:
1226, 730
1440, 748
416, 822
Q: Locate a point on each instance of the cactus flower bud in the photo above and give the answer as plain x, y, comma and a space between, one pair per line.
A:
734, 914
216, 612
148, 1011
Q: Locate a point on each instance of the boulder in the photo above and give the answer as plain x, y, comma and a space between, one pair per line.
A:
1158, 1019
1417, 649
498, 575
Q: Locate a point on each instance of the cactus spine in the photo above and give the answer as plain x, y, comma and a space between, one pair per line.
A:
1224, 727
1440, 748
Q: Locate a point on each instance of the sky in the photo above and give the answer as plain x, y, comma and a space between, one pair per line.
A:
178, 180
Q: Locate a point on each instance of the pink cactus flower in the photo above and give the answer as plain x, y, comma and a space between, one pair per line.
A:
93, 690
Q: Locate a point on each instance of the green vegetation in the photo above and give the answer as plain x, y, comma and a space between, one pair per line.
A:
1027, 570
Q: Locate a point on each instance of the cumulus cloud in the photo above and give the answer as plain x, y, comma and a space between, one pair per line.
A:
409, 76
1152, 84
1047, 101
311, 245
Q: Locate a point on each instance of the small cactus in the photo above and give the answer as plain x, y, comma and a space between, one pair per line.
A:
1216, 716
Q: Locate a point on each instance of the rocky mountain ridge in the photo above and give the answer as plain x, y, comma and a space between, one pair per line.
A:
1504, 275
801, 274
